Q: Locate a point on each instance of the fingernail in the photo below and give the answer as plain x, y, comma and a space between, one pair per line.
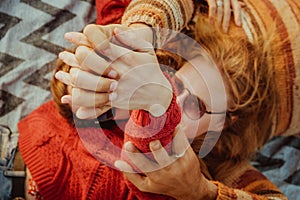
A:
59, 75
113, 85
129, 147
155, 145
66, 99
61, 55
68, 36
112, 96
118, 31
118, 164
112, 74
122, 166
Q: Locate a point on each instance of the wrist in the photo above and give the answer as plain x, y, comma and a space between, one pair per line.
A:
163, 100
212, 191
209, 193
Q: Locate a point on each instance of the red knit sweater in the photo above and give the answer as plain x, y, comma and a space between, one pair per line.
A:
56, 153
73, 163
110, 11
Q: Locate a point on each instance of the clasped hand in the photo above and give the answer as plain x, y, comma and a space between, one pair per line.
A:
106, 74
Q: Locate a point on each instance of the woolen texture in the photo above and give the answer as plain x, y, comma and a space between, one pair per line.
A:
70, 163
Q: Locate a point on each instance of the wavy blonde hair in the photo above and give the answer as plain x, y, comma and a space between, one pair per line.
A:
59, 89
249, 75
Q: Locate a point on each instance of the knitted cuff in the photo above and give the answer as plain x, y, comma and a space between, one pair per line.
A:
224, 192
166, 14
143, 128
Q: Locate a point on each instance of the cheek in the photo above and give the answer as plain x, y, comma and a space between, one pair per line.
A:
194, 128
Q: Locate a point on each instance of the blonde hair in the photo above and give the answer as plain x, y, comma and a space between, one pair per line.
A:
249, 74
59, 89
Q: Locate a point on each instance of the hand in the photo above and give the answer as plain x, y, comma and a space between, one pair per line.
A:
97, 37
135, 87
180, 177
221, 10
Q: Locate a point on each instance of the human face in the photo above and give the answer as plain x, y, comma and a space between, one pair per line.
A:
200, 77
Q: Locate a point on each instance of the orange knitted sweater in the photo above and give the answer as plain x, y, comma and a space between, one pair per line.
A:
74, 163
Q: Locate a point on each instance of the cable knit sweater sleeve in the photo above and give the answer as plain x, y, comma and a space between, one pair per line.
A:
142, 127
245, 182
167, 14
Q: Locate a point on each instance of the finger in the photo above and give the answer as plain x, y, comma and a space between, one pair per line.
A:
64, 77
242, 4
123, 166
77, 38
88, 81
227, 15
160, 154
90, 60
116, 52
99, 36
67, 99
89, 99
180, 142
136, 179
212, 10
139, 159
69, 58
236, 7
91, 112
220, 12
96, 36
132, 39
123, 58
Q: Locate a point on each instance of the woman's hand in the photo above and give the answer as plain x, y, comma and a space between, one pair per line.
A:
220, 10
97, 36
177, 175
141, 84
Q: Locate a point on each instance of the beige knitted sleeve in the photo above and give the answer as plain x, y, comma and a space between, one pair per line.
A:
162, 15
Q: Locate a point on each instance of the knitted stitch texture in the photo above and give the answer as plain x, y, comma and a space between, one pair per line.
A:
167, 14
63, 168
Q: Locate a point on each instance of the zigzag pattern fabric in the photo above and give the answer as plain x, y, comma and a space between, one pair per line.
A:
31, 36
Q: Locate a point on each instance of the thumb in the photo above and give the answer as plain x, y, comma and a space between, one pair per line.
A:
91, 112
134, 39
180, 142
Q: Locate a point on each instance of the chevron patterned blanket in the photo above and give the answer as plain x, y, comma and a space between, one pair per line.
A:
31, 36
